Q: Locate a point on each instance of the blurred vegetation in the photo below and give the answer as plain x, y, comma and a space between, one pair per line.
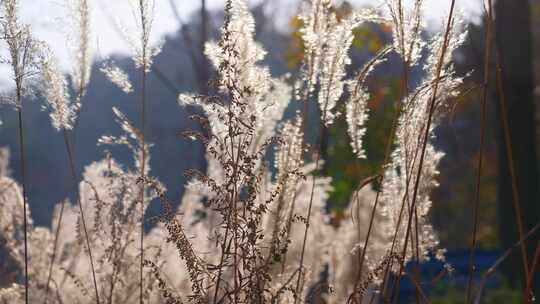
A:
340, 162
450, 293
457, 137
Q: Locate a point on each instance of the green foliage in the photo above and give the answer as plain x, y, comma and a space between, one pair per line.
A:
346, 170
365, 37
341, 164
295, 52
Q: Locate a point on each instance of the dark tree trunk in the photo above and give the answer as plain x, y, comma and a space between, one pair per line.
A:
204, 74
514, 46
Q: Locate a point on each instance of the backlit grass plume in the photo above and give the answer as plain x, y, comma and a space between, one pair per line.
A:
254, 226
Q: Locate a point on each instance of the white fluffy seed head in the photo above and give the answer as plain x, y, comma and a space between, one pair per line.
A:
54, 87
138, 38
356, 108
407, 25
117, 76
23, 51
80, 44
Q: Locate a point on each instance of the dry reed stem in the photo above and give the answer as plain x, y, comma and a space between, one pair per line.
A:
24, 186
511, 165
308, 218
487, 65
528, 295
144, 43
500, 260
426, 137
79, 203
71, 154
387, 154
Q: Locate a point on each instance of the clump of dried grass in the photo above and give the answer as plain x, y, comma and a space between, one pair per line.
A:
243, 234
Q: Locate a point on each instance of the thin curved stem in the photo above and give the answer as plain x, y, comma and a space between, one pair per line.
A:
24, 187
79, 203
481, 152
512, 167
144, 44
426, 138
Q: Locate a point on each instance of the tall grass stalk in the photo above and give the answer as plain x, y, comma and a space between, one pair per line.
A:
79, 203
24, 187
71, 151
144, 48
21, 47
426, 138
63, 118
528, 295
511, 165
79, 39
483, 105
408, 60
387, 154
300, 274
493, 269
